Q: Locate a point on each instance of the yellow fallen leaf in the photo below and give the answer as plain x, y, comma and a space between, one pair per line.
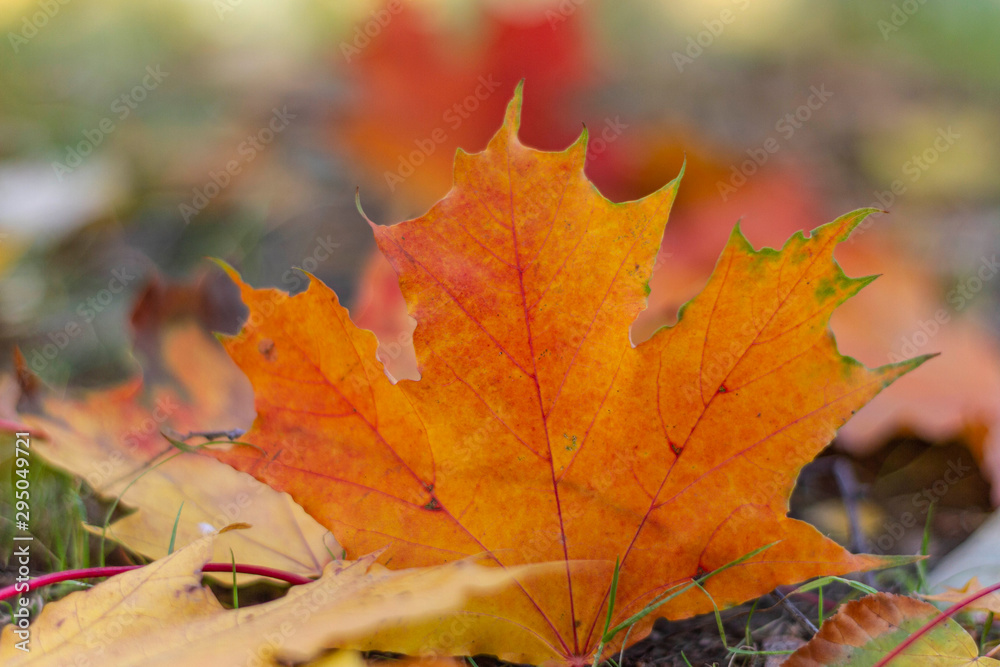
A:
160, 615
989, 603
354, 659
339, 659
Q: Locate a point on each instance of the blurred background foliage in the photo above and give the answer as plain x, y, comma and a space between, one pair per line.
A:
118, 120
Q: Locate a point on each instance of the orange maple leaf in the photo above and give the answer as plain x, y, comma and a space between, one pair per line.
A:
537, 432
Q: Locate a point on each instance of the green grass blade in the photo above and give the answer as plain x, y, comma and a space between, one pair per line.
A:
182, 447
924, 544
173, 533
820, 605
236, 589
114, 505
668, 595
987, 626
621, 654
746, 630
738, 650
612, 595
823, 581
193, 449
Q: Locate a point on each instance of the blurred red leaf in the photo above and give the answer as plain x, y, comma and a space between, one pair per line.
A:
423, 92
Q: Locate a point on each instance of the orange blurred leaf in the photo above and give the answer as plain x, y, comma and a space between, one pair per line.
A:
906, 314
111, 438
418, 101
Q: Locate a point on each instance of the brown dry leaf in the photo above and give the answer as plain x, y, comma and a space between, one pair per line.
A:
161, 615
864, 631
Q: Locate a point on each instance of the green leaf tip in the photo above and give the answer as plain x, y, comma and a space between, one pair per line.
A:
512, 119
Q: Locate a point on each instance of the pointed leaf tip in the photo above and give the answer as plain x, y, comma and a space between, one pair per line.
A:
233, 274
357, 203
512, 119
